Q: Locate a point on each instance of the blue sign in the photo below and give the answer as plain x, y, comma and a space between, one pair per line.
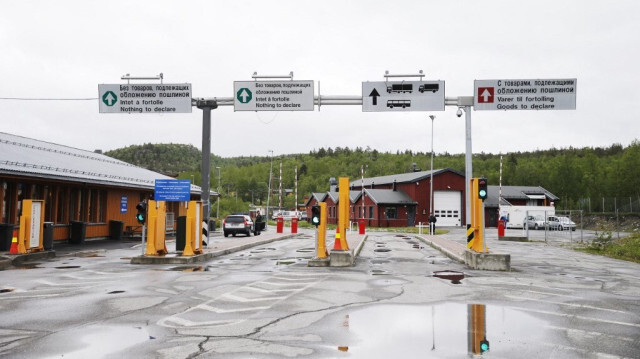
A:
123, 204
172, 190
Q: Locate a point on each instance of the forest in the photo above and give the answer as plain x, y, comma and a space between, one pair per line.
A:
576, 175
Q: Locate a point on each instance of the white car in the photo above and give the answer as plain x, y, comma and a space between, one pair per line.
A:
238, 223
560, 223
534, 222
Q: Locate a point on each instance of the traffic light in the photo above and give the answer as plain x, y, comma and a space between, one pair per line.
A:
141, 216
315, 215
482, 188
484, 346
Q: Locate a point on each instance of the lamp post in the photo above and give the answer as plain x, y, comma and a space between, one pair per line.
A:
269, 193
218, 209
432, 117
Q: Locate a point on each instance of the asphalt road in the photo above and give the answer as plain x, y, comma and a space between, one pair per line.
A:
265, 302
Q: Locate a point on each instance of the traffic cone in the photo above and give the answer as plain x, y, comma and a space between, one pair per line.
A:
14, 243
337, 246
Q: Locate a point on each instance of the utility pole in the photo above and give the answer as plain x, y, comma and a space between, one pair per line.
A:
206, 106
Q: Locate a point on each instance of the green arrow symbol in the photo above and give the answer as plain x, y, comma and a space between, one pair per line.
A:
109, 98
244, 95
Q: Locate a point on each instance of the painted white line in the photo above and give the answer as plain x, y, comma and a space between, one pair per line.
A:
579, 317
566, 304
223, 311
238, 298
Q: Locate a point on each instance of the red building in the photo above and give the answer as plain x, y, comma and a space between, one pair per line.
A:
402, 199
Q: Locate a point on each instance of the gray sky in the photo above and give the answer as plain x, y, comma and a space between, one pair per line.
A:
64, 49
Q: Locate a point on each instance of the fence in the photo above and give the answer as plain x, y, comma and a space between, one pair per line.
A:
556, 229
610, 204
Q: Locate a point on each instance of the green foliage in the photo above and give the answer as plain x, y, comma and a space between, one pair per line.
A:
569, 173
626, 248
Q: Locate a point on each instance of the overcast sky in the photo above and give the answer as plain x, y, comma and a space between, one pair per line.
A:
64, 49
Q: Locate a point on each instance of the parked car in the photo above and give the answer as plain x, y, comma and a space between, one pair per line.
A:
237, 223
534, 222
560, 223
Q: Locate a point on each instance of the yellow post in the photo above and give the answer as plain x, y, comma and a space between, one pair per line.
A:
193, 239
156, 231
477, 224
31, 226
343, 211
322, 232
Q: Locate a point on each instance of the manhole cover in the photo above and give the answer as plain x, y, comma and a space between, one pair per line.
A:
382, 250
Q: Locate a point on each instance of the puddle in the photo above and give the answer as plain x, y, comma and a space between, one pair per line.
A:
306, 250
379, 272
262, 250
67, 267
102, 341
440, 331
189, 269
28, 266
6, 290
286, 263
453, 276
379, 261
116, 292
382, 250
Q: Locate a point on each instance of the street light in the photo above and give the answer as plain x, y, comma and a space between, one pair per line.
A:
266, 227
218, 210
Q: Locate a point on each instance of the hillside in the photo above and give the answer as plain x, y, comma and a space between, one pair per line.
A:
572, 174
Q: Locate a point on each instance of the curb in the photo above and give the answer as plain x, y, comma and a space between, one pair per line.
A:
445, 251
205, 256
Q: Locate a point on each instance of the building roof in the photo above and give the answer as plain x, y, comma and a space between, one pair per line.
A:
401, 177
22, 156
517, 193
319, 196
387, 196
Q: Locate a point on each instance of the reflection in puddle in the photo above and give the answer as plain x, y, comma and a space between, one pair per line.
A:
101, 341
453, 330
67, 267
189, 269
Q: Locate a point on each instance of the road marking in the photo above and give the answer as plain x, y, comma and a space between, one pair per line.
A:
567, 304
238, 298
580, 317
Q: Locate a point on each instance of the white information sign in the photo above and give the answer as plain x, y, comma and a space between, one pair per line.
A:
145, 98
535, 94
399, 96
273, 96
36, 224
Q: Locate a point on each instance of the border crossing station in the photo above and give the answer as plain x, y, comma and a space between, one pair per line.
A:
397, 93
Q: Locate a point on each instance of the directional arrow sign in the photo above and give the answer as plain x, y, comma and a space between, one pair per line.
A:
374, 95
144, 98
273, 96
528, 94
402, 96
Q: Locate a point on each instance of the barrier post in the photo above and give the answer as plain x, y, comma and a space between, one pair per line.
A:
279, 224
294, 225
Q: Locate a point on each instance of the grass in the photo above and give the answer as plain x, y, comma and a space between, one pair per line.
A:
626, 248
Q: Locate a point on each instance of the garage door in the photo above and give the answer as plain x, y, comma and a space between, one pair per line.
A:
447, 209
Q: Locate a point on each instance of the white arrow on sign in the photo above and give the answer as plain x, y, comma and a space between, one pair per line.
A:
244, 95
485, 95
110, 99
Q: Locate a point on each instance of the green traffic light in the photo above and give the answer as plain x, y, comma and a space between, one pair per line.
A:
483, 193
